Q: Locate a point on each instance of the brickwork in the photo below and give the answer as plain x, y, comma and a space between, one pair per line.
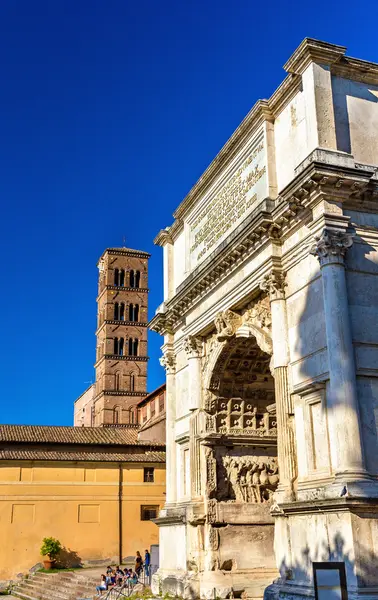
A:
121, 353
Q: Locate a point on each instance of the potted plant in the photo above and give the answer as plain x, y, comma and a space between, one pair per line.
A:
51, 548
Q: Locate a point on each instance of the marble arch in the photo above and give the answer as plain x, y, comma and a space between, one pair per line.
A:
287, 218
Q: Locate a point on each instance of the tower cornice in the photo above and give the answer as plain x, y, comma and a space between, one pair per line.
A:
119, 288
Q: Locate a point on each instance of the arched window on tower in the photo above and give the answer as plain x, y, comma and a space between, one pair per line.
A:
116, 415
116, 273
116, 311
133, 312
117, 380
120, 346
136, 312
131, 415
132, 278
121, 316
137, 279
116, 345
122, 278
132, 382
133, 346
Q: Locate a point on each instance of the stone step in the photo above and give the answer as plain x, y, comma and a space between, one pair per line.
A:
59, 592
57, 586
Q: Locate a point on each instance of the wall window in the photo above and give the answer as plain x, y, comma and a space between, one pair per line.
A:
117, 381
144, 414
134, 279
119, 311
119, 277
161, 402
148, 474
148, 512
121, 315
116, 412
132, 419
133, 312
118, 346
152, 408
133, 346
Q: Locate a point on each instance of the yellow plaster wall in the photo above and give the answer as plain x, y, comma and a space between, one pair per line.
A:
76, 503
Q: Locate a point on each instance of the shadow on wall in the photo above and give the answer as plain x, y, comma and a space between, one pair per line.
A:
311, 360
358, 551
345, 91
68, 559
301, 570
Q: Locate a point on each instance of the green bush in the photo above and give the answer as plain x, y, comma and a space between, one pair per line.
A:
50, 547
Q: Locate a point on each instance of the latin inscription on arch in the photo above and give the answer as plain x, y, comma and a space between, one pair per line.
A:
224, 210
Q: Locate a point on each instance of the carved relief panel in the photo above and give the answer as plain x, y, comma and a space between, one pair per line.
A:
234, 476
235, 416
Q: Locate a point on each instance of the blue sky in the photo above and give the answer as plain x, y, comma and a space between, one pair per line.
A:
109, 112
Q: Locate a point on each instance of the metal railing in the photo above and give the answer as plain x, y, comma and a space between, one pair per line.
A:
120, 591
117, 592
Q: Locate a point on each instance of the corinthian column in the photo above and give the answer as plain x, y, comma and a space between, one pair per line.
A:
342, 400
193, 348
274, 284
168, 361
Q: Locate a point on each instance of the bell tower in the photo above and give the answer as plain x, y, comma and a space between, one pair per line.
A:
121, 353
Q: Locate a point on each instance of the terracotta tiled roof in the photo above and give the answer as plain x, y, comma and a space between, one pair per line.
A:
44, 434
36, 454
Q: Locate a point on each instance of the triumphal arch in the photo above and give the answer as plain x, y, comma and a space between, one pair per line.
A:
270, 325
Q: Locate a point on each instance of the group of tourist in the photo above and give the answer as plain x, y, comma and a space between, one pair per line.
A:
116, 577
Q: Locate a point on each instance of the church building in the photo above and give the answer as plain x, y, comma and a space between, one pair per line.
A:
96, 486
121, 349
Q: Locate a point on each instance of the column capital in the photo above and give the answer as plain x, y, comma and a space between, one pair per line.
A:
168, 361
274, 284
193, 346
331, 246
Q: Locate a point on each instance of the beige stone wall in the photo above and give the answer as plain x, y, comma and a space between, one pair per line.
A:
78, 503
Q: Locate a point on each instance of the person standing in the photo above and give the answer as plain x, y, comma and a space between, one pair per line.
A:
138, 563
147, 562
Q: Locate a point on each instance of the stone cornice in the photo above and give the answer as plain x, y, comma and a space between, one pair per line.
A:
272, 221
127, 323
316, 51
163, 237
122, 289
359, 505
311, 50
117, 357
140, 395
125, 252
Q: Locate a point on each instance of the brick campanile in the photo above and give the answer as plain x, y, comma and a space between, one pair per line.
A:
121, 354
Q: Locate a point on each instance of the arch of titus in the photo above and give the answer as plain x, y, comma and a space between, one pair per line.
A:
270, 324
